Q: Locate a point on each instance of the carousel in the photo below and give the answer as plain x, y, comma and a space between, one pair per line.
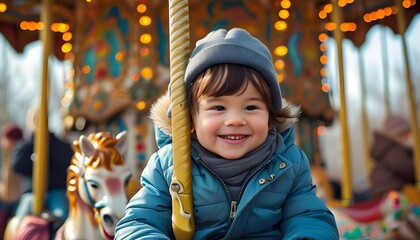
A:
125, 54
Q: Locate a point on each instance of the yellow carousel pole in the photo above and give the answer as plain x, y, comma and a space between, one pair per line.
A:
5, 174
40, 170
414, 123
181, 185
346, 188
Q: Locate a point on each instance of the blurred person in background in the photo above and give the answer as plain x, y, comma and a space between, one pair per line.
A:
59, 156
392, 152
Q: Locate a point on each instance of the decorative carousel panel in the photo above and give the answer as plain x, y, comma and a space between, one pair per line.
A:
112, 63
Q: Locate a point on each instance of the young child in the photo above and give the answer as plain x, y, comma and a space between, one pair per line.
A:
243, 154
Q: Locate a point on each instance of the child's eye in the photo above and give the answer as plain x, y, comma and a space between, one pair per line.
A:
219, 108
251, 107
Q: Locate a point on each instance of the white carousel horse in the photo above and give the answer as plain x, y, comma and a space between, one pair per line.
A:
96, 187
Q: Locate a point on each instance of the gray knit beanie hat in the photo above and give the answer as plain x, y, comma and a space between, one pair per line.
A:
235, 46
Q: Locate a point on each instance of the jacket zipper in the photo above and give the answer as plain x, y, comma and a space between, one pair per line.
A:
234, 204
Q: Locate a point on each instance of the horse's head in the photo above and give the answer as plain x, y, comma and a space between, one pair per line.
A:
100, 174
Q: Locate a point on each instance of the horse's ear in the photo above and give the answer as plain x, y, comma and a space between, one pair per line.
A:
122, 141
86, 146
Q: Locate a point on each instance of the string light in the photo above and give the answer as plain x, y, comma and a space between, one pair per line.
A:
3, 7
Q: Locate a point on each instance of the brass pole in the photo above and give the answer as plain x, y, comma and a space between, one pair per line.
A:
346, 186
40, 170
5, 175
181, 185
414, 123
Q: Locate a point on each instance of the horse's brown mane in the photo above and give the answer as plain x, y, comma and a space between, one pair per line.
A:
104, 156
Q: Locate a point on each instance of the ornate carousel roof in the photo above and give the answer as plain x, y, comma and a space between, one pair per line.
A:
18, 11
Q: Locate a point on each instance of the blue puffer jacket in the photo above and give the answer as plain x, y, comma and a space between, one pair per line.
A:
279, 202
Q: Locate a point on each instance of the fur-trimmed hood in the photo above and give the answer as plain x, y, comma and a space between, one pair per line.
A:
163, 124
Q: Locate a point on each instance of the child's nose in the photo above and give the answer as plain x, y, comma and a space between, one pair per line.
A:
235, 119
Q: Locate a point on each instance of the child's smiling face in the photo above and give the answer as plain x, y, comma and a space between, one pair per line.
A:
233, 125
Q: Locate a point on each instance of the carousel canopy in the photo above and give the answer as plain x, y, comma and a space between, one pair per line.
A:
19, 21
19, 18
